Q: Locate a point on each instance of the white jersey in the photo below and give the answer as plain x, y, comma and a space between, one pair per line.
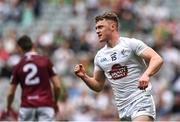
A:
123, 67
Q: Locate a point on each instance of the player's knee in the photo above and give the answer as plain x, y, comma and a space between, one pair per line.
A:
143, 118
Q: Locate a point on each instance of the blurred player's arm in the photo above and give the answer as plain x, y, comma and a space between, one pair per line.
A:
154, 59
96, 82
10, 95
56, 86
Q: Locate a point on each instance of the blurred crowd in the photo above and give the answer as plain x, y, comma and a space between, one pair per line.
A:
64, 31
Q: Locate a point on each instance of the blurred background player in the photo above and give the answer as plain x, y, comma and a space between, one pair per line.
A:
35, 74
122, 62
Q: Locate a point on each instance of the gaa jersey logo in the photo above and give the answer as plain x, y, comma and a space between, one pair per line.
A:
118, 71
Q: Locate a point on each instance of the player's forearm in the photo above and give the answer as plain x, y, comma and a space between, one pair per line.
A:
10, 99
56, 86
56, 94
154, 65
92, 83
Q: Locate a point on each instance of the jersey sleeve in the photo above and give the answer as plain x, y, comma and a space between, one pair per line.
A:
96, 64
14, 77
137, 46
51, 69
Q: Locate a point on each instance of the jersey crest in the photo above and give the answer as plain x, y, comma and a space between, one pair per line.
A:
118, 71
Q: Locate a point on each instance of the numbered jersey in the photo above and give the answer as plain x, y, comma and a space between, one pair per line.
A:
123, 67
33, 73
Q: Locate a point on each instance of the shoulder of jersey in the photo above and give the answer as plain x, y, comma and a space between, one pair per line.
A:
45, 57
101, 50
126, 38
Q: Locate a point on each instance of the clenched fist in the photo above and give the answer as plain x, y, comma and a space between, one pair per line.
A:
79, 70
143, 82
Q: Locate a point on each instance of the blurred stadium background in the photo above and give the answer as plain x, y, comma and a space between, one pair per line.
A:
64, 31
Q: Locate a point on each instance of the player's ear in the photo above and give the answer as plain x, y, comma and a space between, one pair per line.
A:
113, 26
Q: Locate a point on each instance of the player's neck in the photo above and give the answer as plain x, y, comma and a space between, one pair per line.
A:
32, 51
114, 40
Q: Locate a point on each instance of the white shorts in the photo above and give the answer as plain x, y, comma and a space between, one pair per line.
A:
36, 114
142, 106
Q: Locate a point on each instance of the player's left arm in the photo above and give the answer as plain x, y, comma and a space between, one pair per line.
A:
10, 95
56, 86
155, 62
55, 79
154, 59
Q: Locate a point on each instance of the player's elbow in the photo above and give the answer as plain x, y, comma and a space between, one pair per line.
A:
10, 95
158, 59
98, 89
161, 61
11, 92
57, 89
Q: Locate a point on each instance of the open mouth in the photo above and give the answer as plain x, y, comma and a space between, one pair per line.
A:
100, 35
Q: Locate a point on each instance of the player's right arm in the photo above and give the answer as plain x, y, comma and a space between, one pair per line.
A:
12, 88
10, 95
96, 82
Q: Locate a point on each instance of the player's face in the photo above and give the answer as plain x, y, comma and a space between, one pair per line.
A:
103, 30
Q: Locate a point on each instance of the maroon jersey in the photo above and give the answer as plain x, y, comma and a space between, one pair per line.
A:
33, 73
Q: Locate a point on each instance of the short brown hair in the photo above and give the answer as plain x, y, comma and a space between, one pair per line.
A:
108, 16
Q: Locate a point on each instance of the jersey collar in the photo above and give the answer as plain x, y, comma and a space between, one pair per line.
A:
31, 53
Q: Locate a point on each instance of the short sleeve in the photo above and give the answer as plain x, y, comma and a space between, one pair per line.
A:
51, 69
96, 64
137, 46
14, 77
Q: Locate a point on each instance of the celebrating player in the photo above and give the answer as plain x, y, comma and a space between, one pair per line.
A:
122, 62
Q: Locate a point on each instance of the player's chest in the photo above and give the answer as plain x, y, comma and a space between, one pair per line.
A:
119, 56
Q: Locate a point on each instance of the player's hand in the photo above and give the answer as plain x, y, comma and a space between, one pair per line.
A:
56, 108
8, 110
9, 113
79, 70
143, 82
